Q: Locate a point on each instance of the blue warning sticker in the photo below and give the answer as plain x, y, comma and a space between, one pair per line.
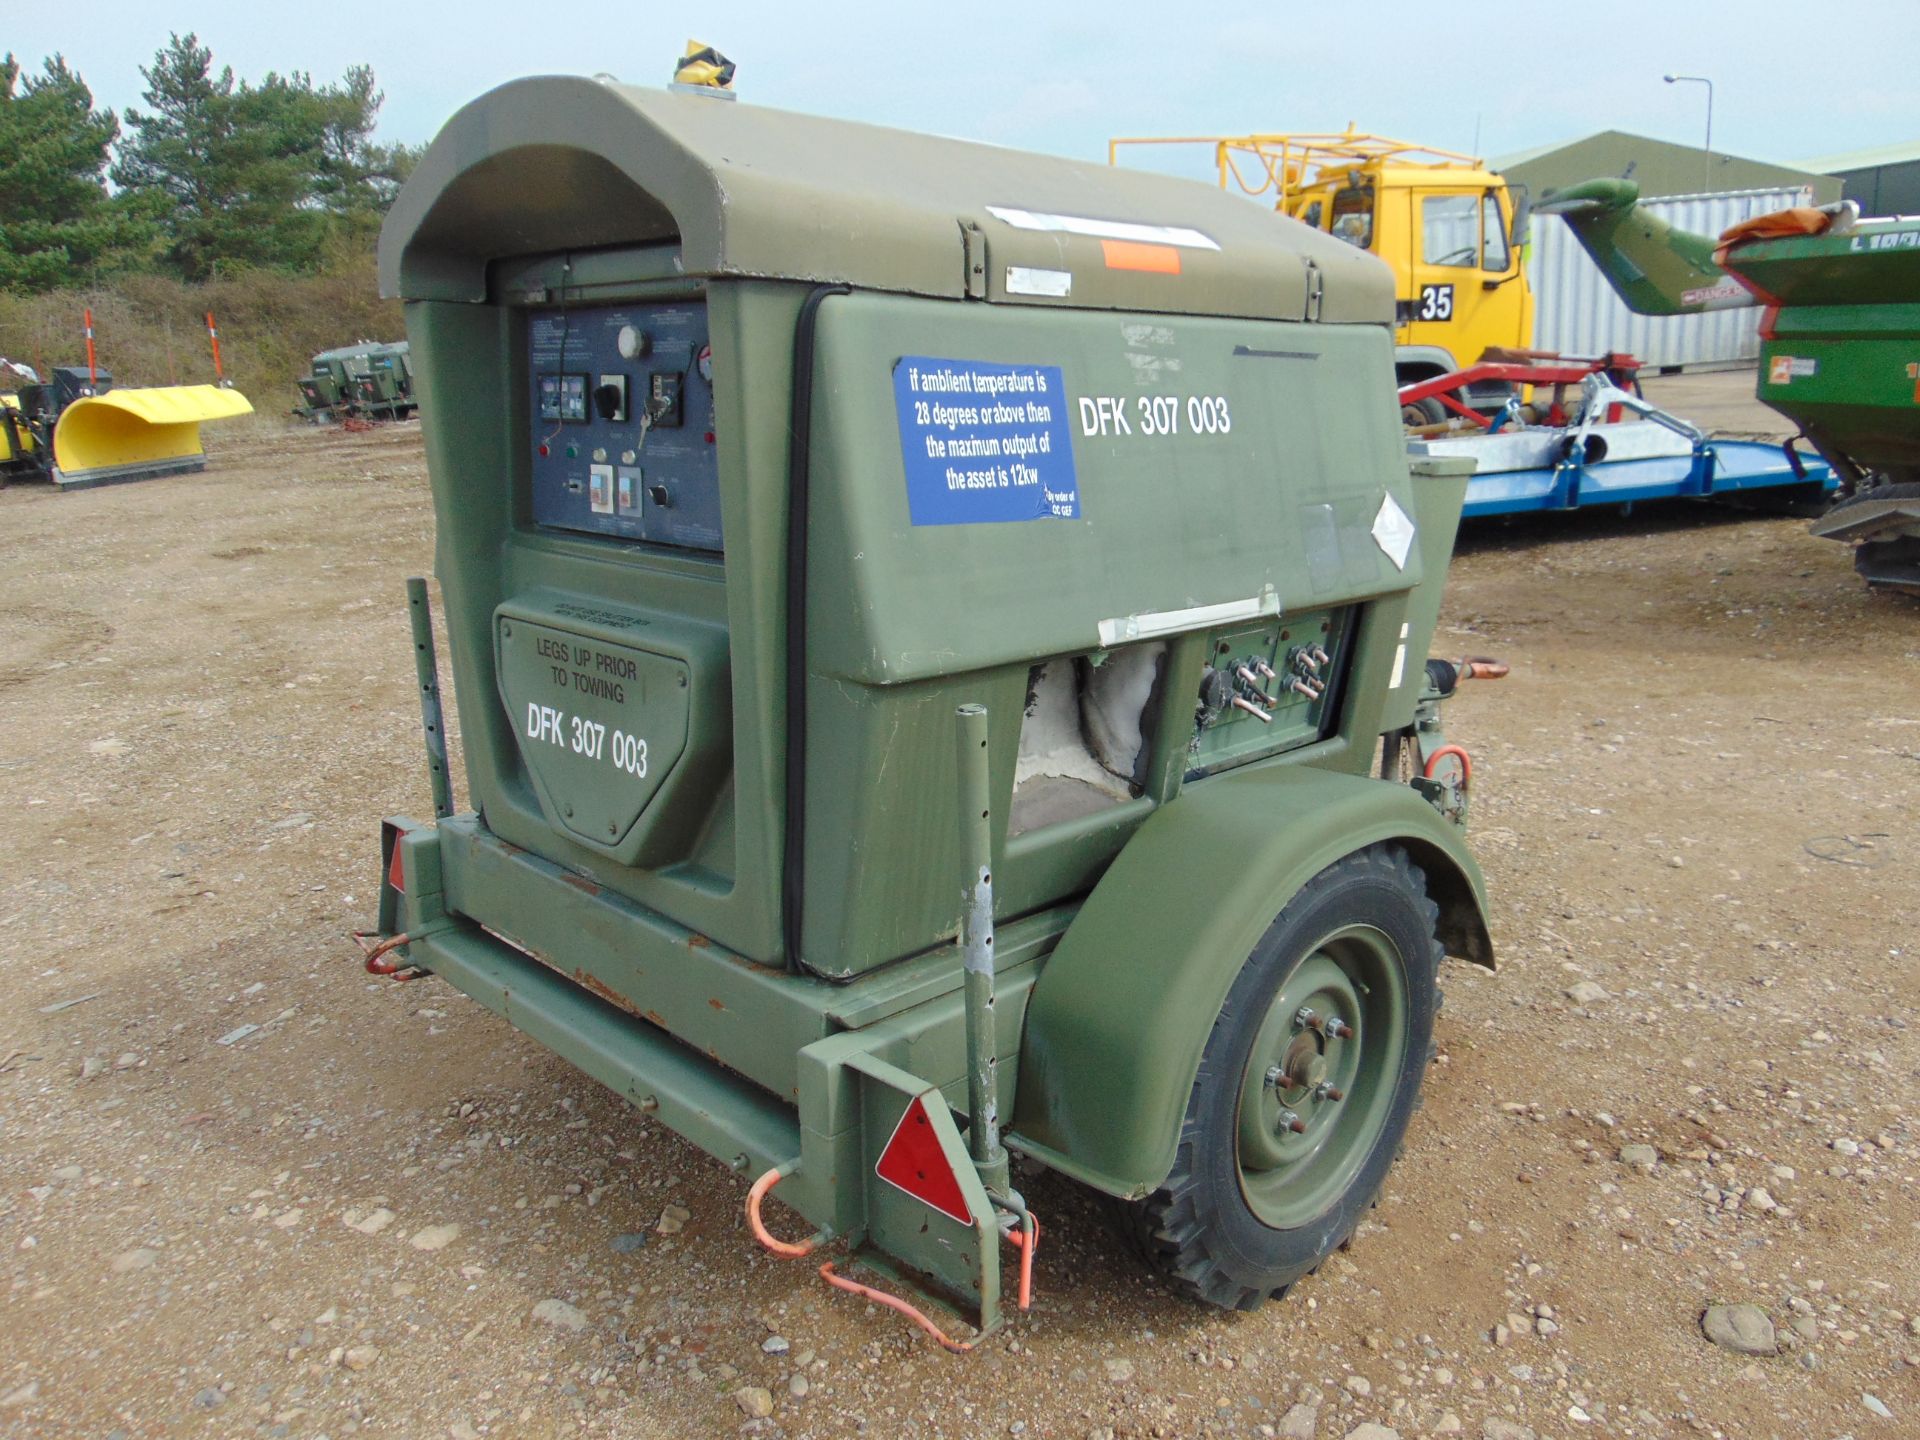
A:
984, 443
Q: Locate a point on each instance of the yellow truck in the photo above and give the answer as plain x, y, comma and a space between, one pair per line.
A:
1451, 230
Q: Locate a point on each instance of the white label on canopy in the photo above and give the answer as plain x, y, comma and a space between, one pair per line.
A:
1393, 532
1103, 229
1123, 628
1026, 280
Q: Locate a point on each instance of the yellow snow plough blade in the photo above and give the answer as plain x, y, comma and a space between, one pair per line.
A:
134, 434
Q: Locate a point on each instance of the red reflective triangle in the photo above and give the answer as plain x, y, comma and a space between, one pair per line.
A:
396, 873
915, 1162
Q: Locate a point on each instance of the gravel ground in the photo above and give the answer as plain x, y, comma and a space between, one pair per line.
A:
250, 1193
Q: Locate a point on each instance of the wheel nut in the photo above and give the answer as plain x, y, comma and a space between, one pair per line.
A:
1305, 1019
1339, 1030
1325, 1090
1276, 1078
1291, 1121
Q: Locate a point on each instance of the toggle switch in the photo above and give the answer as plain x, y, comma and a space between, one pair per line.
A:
1250, 686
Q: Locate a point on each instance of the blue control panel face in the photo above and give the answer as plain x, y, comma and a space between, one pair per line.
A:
622, 422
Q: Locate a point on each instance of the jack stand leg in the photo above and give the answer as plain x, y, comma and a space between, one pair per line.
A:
976, 949
427, 668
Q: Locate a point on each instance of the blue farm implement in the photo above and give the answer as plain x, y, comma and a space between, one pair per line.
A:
1604, 444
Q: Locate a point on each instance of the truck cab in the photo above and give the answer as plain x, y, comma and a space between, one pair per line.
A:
1451, 231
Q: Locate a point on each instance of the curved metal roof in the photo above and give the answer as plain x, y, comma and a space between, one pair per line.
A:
546, 165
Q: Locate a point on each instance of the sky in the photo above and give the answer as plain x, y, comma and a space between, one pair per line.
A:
1489, 79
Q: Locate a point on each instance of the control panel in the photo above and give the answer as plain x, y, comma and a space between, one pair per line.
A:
622, 422
1268, 688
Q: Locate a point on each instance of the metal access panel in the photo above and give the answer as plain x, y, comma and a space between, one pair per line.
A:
621, 422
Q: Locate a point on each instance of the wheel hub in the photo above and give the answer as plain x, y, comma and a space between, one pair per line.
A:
1320, 1074
1303, 1066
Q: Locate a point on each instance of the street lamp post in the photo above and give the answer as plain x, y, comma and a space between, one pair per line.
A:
1700, 80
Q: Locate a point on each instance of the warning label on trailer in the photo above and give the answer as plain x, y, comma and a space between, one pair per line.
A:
1784, 369
983, 443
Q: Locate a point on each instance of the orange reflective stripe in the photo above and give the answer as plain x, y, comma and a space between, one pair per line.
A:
1134, 255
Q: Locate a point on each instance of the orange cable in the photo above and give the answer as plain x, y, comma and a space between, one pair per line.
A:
785, 1249
1026, 1248
1466, 763
894, 1302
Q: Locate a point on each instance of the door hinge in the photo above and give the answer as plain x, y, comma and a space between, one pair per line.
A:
973, 251
1316, 290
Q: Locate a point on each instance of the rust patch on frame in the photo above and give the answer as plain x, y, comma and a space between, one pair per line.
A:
613, 997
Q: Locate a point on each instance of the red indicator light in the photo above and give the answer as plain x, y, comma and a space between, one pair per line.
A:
709, 437
396, 871
543, 451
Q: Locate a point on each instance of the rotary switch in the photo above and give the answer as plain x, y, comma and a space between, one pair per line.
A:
610, 398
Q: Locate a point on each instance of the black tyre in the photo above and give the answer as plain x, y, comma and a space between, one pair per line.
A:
1305, 1089
1423, 412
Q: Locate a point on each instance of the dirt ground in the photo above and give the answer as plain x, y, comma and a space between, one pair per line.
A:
1698, 792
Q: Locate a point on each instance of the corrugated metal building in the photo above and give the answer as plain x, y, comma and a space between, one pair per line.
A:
1883, 181
1577, 313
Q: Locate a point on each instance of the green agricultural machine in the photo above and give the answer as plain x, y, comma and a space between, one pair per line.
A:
940, 641
370, 379
1840, 340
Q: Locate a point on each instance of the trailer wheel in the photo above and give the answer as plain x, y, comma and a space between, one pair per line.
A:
1305, 1088
1423, 412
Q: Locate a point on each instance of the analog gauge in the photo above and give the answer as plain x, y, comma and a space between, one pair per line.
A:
632, 342
704, 360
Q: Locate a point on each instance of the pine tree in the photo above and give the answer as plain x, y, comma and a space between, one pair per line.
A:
268, 175
58, 225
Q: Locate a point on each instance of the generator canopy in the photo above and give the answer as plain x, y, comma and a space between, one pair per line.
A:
556, 164
366, 349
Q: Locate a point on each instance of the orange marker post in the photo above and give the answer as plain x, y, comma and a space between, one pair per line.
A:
213, 334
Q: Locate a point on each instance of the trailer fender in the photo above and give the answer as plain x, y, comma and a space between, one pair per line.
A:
1122, 1011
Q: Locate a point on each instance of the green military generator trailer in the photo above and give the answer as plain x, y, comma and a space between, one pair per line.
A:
940, 641
370, 378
